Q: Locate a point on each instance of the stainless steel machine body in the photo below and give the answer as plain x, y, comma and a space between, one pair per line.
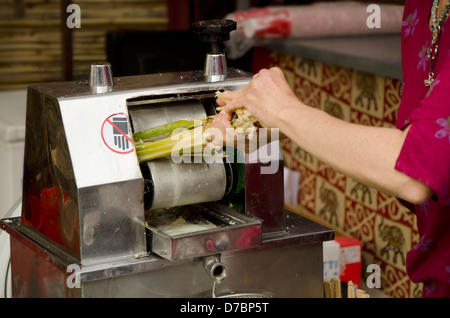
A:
84, 229
83, 189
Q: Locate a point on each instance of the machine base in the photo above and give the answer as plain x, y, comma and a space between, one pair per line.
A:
281, 267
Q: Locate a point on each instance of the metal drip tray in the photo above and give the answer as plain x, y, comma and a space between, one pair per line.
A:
199, 230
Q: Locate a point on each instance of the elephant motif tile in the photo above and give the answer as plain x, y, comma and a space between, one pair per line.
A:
330, 203
309, 69
393, 241
361, 193
368, 94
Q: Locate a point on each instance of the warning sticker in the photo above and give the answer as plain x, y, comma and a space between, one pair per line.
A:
116, 135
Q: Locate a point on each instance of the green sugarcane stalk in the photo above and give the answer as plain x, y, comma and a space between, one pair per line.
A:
163, 147
166, 128
143, 145
191, 139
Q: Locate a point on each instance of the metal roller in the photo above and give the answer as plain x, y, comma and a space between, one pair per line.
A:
176, 184
152, 115
170, 184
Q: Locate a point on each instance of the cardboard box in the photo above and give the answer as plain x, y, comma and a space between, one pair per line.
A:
349, 259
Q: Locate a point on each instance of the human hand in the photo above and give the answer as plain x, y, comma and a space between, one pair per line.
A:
221, 127
266, 96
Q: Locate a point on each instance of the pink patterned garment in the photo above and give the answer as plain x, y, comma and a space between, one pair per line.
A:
425, 156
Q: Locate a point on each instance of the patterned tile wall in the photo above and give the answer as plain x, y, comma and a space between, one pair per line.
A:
386, 228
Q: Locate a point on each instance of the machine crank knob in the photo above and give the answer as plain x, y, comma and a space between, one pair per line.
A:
214, 31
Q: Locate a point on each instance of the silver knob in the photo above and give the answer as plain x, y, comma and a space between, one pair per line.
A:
100, 77
215, 67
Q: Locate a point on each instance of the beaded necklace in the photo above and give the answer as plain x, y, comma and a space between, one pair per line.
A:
433, 49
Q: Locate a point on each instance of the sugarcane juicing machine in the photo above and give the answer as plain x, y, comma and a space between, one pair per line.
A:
97, 223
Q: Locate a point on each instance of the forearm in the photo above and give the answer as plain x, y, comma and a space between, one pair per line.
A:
366, 154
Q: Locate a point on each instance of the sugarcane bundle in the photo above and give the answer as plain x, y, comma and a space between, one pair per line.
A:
242, 121
180, 138
188, 137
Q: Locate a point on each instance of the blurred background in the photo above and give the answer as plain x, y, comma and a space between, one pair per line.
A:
136, 36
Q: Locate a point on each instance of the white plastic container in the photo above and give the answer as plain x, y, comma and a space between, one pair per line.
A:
331, 266
12, 144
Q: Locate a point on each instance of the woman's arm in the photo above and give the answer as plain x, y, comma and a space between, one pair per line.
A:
366, 154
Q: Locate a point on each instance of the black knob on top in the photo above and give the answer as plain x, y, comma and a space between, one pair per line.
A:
214, 31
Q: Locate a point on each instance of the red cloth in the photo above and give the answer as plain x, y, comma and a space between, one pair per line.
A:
425, 155
317, 19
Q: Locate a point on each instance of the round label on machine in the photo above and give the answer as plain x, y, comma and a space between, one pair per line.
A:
116, 134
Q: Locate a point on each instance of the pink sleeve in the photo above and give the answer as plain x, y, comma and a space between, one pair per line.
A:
425, 155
